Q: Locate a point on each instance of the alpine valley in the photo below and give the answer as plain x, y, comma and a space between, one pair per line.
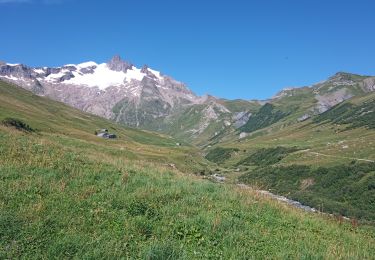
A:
148, 99
184, 177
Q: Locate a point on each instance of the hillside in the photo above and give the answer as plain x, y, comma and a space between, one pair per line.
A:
63, 125
326, 161
138, 97
65, 193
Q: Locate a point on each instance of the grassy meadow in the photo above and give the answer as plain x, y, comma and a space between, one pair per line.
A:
58, 202
65, 193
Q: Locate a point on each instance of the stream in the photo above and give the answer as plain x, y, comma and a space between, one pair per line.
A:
290, 202
293, 203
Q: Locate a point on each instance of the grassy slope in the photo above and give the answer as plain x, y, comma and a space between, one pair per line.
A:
323, 144
292, 104
65, 193
184, 123
239, 105
70, 127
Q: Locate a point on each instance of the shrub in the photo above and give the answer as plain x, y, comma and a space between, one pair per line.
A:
266, 116
353, 116
268, 156
18, 124
220, 154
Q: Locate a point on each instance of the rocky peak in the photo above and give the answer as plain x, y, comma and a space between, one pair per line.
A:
206, 98
16, 70
342, 76
144, 69
118, 64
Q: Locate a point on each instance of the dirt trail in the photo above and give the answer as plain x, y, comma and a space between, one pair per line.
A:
335, 156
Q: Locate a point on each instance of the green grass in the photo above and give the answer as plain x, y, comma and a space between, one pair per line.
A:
64, 193
239, 105
71, 127
56, 202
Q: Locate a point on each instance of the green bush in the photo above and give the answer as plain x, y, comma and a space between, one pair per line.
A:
266, 116
354, 116
18, 124
220, 154
268, 156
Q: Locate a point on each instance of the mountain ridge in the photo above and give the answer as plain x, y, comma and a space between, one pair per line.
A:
147, 99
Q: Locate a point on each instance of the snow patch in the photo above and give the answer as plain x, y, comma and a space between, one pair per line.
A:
10, 77
103, 77
55, 76
134, 73
156, 73
39, 71
86, 64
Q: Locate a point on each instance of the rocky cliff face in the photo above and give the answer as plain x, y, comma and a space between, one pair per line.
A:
369, 84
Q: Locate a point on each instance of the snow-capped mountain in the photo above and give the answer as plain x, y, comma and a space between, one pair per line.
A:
108, 89
118, 90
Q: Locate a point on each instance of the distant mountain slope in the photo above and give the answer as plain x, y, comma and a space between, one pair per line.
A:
142, 98
352, 115
147, 99
294, 105
117, 90
61, 122
326, 161
104, 89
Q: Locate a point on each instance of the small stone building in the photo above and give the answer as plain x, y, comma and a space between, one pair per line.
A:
103, 133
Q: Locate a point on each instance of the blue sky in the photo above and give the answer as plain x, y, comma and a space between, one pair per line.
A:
232, 49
